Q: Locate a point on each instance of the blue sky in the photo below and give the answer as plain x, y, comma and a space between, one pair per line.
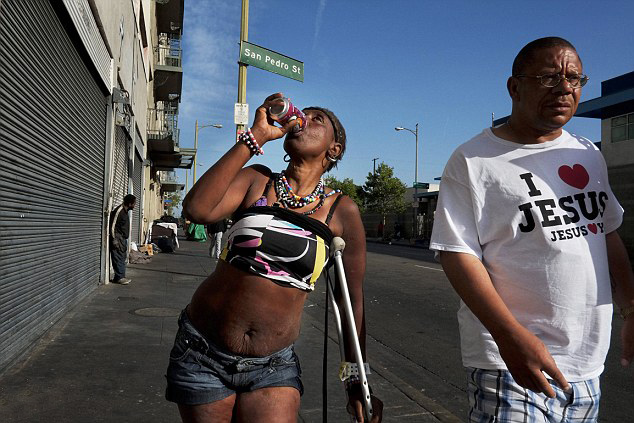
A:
379, 64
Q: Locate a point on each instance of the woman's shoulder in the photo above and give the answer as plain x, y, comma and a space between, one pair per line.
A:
257, 176
344, 217
259, 170
343, 205
348, 205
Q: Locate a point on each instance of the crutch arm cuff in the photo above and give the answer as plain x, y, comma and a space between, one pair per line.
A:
348, 370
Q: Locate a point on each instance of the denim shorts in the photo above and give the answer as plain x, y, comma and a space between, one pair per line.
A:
199, 372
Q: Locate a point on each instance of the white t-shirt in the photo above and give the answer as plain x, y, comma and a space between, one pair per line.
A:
536, 215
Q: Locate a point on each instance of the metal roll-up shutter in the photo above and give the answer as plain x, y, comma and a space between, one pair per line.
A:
137, 187
121, 174
52, 150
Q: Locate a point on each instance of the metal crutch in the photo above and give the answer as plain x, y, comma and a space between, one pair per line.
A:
338, 246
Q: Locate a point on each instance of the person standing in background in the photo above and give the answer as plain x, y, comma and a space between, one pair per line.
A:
119, 233
215, 231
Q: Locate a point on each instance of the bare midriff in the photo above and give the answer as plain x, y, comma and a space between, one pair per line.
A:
246, 314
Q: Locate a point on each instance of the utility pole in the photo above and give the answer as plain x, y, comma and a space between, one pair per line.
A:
242, 68
374, 161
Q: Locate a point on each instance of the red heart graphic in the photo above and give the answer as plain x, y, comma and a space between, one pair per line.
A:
593, 228
576, 176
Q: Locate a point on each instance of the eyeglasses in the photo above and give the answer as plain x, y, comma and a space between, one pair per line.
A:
552, 80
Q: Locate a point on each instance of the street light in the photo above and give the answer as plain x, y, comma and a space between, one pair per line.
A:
215, 125
400, 128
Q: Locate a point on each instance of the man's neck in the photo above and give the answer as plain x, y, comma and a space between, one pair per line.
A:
524, 135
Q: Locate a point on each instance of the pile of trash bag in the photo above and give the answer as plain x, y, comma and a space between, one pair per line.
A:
196, 232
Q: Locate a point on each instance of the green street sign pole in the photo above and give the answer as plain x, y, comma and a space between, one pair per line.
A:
268, 60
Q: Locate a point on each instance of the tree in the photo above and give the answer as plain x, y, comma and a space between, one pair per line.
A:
347, 187
384, 192
175, 198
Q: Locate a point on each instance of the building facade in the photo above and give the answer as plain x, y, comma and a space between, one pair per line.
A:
415, 223
80, 81
615, 109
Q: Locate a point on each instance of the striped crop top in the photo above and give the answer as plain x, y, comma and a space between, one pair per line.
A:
279, 244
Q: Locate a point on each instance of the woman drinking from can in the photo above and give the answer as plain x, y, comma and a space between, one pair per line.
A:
233, 358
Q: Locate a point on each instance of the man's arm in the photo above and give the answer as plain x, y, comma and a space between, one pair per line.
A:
524, 354
623, 288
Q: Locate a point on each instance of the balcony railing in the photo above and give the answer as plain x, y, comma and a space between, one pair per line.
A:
166, 177
162, 123
168, 52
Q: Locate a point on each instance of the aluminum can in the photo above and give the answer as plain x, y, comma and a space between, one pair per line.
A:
284, 111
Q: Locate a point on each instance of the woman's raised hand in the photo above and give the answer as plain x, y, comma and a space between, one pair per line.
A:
264, 128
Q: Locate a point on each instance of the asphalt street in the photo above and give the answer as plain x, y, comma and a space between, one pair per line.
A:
104, 360
413, 332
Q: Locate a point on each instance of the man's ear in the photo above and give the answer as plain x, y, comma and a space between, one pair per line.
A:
512, 85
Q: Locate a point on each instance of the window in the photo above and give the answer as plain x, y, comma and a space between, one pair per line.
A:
622, 128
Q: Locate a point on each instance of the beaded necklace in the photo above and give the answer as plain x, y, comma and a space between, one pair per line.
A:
288, 198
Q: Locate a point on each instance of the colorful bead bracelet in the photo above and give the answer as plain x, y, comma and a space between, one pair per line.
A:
248, 138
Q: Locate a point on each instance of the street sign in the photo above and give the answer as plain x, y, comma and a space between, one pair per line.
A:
421, 185
260, 57
241, 114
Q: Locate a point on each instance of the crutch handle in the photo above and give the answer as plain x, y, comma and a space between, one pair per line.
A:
338, 244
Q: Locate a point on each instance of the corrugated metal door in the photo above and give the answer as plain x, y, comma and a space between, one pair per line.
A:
137, 186
52, 147
121, 173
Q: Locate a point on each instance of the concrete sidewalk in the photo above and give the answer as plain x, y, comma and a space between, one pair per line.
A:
104, 361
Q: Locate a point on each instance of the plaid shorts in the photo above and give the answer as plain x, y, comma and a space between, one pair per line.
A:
495, 397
